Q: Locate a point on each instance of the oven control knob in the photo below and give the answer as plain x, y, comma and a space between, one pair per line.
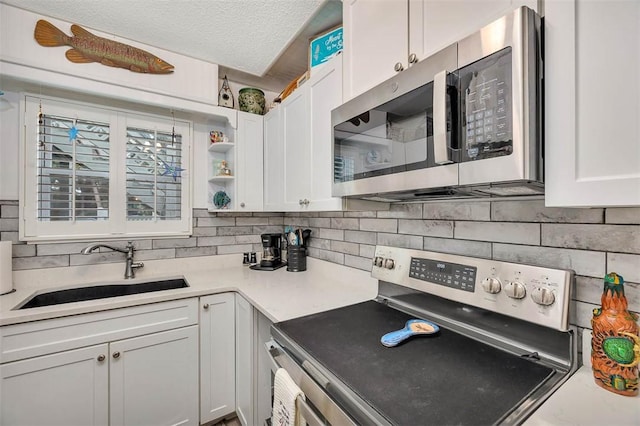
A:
492, 285
389, 263
515, 289
543, 296
377, 261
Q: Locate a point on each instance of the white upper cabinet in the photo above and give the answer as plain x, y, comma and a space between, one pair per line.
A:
382, 37
250, 161
234, 162
592, 154
376, 38
295, 136
273, 161
325, 94
298, 162
444, 21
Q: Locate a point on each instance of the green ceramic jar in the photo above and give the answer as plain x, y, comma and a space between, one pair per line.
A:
251, 100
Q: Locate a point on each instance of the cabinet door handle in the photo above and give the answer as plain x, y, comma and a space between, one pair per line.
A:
398, 67
241, 204
300, 202
413, 58
101, 358
116, 355
305, 202
205, 306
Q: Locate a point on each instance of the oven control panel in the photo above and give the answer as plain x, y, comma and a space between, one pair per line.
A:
444, 273
532, 293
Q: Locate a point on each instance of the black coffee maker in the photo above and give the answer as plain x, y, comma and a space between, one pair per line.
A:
271, 253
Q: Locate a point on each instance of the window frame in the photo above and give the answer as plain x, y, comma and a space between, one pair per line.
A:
117, 226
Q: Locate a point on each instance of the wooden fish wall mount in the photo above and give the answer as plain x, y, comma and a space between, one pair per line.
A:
86, 47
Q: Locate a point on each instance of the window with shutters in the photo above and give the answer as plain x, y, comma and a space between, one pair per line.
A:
98, 173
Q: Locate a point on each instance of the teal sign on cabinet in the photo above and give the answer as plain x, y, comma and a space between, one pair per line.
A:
325, 47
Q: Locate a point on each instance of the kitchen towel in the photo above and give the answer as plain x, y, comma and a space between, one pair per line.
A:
6, 276
285, 392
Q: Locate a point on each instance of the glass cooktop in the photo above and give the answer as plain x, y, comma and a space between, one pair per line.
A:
445, 378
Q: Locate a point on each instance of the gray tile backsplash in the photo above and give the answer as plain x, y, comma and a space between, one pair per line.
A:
499, 232
462, 210
431, 228
592, 242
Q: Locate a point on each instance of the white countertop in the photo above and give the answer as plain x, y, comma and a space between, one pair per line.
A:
279, 295
579, 401
282, 295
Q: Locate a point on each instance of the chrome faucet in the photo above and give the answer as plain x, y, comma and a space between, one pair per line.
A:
131, 266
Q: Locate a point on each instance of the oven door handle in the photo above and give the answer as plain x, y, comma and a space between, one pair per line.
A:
313, 392
307, 413
315, 373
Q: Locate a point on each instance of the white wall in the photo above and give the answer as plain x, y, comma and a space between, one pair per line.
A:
9, 145
193, 84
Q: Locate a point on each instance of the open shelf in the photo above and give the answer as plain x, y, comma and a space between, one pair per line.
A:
221, 179
221, 146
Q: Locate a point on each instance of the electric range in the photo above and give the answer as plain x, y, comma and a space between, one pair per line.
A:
504, 344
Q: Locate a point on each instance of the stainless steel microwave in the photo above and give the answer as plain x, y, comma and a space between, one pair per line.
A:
464, 122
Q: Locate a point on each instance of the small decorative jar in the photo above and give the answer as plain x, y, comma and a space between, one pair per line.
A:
223, 169
217, 136
221, 200
615, 345
251, 100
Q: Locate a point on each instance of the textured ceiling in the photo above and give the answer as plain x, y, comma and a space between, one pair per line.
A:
243, 35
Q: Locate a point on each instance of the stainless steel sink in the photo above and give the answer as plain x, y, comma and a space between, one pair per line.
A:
100, 291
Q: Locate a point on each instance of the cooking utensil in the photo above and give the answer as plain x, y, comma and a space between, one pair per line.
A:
292, 238
414, 327
306, 234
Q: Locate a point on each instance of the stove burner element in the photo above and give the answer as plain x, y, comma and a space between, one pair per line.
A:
414, 327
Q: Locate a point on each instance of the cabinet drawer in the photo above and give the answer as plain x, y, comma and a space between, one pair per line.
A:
27, 340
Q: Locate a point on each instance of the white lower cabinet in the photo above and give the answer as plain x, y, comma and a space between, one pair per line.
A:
68, 388
244, 361
143, 365
253, 368
125, 379
217, 356
154, 379
263, 374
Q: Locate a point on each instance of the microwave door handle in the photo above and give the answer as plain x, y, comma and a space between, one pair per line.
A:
440, 118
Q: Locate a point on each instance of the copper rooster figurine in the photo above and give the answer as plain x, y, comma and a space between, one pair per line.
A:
615, 345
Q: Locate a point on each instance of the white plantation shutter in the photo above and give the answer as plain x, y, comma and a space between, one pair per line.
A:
154, 179
73, 174
100, 173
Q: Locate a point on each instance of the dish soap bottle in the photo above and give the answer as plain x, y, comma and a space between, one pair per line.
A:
615, 345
